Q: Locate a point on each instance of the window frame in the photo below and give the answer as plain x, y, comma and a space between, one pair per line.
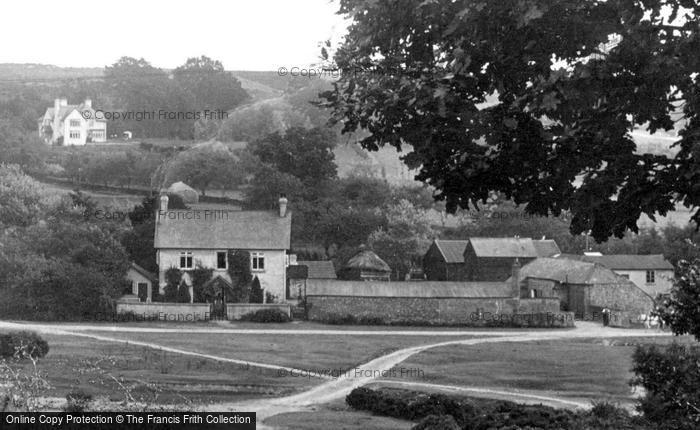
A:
74, 134
650, 276
256, 258
188, 260
74, 123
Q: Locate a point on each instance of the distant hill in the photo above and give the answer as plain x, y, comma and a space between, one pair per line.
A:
29, 73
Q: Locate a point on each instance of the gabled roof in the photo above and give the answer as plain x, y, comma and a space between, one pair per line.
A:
138, 269
451, 250
319, 269
503, 247
569, 271
367, 260
219, 229
546, 247
631, 261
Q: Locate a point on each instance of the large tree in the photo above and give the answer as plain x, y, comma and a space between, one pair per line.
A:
208, 86
528, 98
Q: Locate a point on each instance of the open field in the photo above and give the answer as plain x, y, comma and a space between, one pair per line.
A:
580, 369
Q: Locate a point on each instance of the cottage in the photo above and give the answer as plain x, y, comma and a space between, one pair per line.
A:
202, 236
65, 124
582, 287
365, 266
141, 283
652, 273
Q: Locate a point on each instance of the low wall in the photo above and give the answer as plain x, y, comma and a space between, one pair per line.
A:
234, 311
438, 311
165, 311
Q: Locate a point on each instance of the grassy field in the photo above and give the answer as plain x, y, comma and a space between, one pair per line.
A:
114, 371
577, 369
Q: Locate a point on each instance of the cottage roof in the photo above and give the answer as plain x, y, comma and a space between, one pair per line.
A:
629, 261
569, 271
503, 247
546, 247
430, 289
452, 250
319, 269
218, 229
138, 269
188, 194
367, 260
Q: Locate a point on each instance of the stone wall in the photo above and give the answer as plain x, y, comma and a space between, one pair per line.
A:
234, 311
620, 296
183, 312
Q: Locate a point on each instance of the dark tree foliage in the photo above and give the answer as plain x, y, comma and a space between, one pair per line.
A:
240, 273
681, 311
173, 277
520, 97
183, 293
200, 276
208, 86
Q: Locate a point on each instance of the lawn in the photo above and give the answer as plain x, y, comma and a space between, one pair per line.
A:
578, 369
111, 370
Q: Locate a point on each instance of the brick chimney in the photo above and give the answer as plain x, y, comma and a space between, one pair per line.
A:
163, 203
283, 205
515, 275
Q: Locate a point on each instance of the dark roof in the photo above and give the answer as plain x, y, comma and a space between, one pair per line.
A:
452, 250
569, 271
202, 229
319, 269
407, 289
631, 261
152, 277
367, 260
546, 247
503, 247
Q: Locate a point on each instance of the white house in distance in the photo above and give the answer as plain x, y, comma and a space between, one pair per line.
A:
203, 235
652, 273
65, 124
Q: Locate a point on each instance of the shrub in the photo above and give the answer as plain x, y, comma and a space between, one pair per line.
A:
22, 344
183, 293
337, 319
77, 401
437, 422
173, 277
270, 298
670, 377
256, 291
266, 316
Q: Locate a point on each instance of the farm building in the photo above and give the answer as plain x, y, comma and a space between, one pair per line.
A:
365, 266
297, 275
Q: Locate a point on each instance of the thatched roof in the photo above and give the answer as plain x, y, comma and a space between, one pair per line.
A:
367, 260
188, 194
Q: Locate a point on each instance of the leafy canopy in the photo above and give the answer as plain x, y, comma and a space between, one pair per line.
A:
523, 97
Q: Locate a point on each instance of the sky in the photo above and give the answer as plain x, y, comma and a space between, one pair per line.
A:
243, 35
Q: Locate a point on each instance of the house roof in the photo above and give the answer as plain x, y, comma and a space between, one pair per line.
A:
503, 247
432, 289
546, 247
452, 250
319, 269
220, 229
150, 276
630, 261
569, 271
367, 260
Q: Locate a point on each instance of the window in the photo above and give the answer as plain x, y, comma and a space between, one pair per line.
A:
74, 134
75, 123
221, 260
185, 260
651, 277
257, 260
534, 294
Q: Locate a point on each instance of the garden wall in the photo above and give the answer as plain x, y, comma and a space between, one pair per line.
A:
166, 311
234, 311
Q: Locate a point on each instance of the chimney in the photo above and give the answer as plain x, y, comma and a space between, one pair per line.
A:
88, 104
516, 278
56, 105
64, 102
283, 205
163, 203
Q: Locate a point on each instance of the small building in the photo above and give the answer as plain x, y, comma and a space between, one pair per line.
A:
65, 124
141, 283
491, 258
365, 266
583, 287
299, 273
444, 260
652, 273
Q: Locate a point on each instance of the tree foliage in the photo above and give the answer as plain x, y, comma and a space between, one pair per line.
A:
523, 97
256, 291
240, 273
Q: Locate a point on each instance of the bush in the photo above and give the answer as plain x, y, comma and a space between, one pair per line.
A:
336, 319
77, 401
256, 291
22, 344
670, 377
437, 422
183, 293
266, 316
